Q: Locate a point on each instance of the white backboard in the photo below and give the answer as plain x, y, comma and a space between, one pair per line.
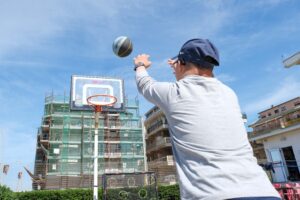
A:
83, 87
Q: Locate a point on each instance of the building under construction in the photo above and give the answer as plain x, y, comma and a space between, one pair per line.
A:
65, 140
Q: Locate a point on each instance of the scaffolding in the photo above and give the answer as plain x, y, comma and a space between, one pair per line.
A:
64, 153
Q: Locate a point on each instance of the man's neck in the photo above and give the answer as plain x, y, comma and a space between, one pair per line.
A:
198, 72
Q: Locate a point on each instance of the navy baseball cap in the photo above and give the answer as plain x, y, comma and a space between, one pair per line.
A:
199, 51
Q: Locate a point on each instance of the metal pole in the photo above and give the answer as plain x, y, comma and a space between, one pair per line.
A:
96, 156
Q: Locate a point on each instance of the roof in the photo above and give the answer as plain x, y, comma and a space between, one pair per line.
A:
279, 105
273, 117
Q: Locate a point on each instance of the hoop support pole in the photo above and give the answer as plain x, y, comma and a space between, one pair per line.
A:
95, 189
98, 108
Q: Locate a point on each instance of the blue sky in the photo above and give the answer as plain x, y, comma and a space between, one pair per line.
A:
42, 43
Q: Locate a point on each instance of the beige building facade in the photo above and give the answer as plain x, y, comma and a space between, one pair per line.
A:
158, 147
276, 140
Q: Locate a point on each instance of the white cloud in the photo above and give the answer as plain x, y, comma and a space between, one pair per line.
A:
257, 37
227, 78
209, 20
8, 64
286, 90
33, 25
264, 3
27, 23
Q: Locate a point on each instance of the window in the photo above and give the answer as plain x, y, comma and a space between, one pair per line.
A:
291, 163
283, 108
276, 111
297, 103
269, 114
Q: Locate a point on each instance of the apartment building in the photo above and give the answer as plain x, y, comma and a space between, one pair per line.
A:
276, 140
158, 147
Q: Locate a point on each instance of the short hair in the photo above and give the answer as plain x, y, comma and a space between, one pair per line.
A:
210, 67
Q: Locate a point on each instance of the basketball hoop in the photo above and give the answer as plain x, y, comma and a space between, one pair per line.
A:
98, 105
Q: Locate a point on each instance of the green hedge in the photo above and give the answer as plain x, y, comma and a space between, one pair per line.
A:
164, 193
70, 194
170, 192
5, 193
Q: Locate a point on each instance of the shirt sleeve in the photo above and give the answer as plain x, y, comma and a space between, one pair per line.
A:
154, 91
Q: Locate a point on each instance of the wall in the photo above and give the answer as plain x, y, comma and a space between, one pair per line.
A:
291, 138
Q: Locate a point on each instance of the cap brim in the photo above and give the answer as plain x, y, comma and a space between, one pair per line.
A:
174, 58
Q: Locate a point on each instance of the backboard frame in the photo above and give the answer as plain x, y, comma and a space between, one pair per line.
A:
78, 87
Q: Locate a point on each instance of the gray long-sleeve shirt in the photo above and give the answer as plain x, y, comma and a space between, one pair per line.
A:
214, 159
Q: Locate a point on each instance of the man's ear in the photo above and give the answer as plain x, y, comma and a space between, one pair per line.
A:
182, 62
181, 67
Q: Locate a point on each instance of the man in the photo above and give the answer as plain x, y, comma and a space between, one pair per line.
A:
214, 159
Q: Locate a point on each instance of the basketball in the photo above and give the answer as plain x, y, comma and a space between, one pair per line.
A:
122, 46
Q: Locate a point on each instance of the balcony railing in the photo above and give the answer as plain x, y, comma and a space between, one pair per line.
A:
152, 111
292, 122
164, 161
275, 127
166, 141
157, 128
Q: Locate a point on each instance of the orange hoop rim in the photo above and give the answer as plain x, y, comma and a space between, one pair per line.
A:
98, 107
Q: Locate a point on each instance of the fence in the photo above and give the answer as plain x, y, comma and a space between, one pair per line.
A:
288, 191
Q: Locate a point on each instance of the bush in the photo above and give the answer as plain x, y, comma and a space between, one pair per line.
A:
5, 193
164, 193
170, 192
70, 194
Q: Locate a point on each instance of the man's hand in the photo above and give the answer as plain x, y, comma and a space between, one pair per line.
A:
144, 59
172, 62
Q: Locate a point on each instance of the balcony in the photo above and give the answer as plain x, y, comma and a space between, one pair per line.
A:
161, 162
275, 129
152, 112
159, 127
257, 146
164, 142
44, 139
292, 122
